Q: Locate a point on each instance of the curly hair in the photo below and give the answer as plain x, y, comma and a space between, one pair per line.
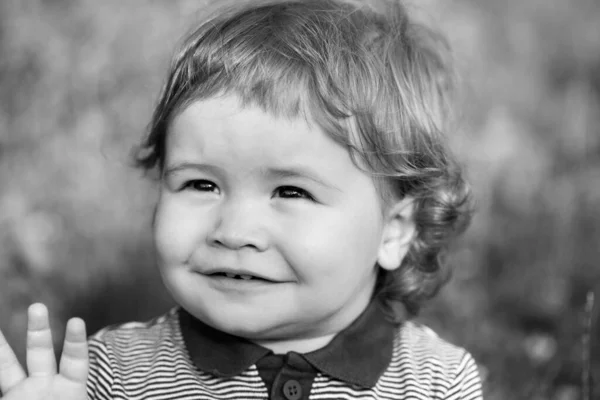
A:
373, 79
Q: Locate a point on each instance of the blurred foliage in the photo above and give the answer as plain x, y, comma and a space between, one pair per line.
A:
78, 79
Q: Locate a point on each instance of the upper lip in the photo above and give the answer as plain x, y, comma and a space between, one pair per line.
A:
238, 271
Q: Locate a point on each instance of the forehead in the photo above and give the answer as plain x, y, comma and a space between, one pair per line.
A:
221, 127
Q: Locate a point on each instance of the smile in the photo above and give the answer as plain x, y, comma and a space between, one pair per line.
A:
239, 276
239, 282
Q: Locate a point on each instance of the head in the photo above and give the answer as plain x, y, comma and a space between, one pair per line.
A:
303, 141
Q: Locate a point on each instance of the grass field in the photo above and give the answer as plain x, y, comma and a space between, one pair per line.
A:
78, 79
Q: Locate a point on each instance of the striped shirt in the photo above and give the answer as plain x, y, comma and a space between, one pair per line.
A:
152, 361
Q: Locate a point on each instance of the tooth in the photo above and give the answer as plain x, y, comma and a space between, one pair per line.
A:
246, 277
227, 274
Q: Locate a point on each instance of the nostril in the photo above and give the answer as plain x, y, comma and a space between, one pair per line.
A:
238, 237
235, 243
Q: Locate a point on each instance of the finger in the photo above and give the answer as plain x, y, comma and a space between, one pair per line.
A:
40, 351
74, 359
11, 372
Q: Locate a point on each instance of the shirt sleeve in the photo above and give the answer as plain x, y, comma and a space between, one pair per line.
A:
467, 383
100, 377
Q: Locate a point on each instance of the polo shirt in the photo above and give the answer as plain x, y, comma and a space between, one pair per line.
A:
176, 356
357, 356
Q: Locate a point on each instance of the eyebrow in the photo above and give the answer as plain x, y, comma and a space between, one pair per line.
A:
297, 172
176, 167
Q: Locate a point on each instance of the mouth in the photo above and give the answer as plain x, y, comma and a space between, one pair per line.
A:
243, 277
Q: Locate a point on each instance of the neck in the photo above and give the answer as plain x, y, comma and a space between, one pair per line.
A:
304, 345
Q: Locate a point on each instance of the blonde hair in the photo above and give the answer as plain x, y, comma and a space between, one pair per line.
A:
375, 81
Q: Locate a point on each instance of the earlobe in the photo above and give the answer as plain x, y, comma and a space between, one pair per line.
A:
398, 233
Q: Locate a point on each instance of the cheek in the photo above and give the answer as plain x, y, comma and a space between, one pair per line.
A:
365, 232
334, 246
175, 233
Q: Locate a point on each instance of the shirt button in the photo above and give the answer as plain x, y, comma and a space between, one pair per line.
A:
292, 390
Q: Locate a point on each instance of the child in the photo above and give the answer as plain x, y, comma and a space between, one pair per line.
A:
305, 196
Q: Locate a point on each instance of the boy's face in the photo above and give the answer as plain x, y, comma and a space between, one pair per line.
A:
265, 228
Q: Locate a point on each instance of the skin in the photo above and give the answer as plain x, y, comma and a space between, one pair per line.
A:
44, 382
244, 192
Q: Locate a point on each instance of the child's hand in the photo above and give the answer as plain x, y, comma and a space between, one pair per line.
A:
43, 383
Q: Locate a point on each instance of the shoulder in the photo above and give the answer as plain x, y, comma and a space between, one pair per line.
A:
122, 356
429, 362
119, 349
420, 342
130, 332
135, 341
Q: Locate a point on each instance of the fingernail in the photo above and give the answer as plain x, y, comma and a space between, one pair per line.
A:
37, 309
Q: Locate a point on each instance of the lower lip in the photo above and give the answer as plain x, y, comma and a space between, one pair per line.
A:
225, 283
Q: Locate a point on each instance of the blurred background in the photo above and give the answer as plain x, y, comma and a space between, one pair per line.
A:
78, 79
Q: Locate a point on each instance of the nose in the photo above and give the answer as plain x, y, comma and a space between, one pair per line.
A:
239, 225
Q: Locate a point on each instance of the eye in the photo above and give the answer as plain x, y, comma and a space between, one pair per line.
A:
200, 185
293, 192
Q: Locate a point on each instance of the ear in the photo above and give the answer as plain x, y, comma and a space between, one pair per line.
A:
398, 233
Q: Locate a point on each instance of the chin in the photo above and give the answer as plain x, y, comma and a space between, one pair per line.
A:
238, 321
248, 327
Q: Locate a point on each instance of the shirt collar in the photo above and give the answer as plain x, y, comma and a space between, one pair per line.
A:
217, 352
361, 353
358, 355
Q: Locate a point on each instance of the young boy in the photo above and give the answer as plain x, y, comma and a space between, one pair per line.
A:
305, 196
